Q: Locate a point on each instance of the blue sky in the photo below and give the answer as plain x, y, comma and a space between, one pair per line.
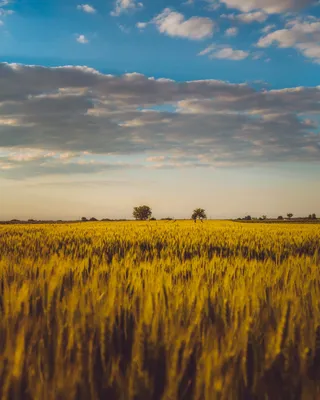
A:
234, 97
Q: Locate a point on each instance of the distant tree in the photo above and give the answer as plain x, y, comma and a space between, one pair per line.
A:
84, 219
198, 213
167, 219
247, 218
310, 216
142, 213
280, 217
153, 219
93, 219
314, 216
264, 217
289, 215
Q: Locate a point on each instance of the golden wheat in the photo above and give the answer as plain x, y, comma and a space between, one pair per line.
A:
156, 310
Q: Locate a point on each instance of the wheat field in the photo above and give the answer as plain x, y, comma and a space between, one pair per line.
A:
159, 310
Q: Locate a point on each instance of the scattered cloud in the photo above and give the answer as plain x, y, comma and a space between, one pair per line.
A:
174, 24
257, 16
207, 50
4, 12
304, 36
268, 28
87, 8
141, 25
82, 39
269, 6
70, 115
247, 18
122, 6
232, 32
230, 54
224, 52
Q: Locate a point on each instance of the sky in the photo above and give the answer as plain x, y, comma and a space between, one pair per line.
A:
107, 105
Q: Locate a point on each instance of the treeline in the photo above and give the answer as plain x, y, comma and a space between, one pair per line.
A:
289, 217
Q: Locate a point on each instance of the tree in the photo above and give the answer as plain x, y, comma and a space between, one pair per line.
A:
264, 217
289, 215
198, 213
142, 213
280, 217
84, 219
314, 216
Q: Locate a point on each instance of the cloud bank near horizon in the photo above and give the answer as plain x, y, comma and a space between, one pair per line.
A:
204, 123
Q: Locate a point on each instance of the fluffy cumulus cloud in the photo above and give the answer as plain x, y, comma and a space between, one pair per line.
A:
269, 6
174, 24
122, 6
63, 120
86, 8
303, 35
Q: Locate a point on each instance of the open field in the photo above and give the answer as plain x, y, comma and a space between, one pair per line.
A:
160, 310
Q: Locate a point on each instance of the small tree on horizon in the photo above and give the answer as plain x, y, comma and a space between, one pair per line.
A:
142, 213
198, 213
289, 215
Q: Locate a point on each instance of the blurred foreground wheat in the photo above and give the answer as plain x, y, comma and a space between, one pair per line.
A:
157, 311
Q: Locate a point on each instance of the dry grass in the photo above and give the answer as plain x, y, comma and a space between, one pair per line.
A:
157, 310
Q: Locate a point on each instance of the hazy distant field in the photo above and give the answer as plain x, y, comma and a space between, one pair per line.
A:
160, 310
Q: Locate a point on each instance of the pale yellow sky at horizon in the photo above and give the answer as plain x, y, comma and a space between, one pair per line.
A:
224, 193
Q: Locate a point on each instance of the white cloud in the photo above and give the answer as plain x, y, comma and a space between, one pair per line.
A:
87, 8
141, 25
224, 52
268, 28
256, 16
122, 6
247, 18
174, 24
269, 6
230, 54
232, 32
82, 39
207, 50
301, 35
